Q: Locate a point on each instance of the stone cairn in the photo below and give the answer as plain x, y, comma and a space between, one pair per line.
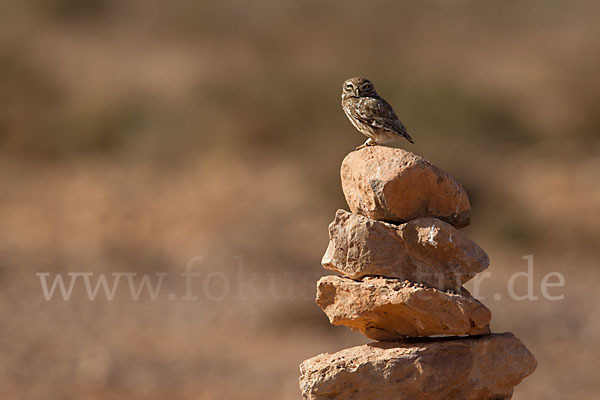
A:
403, 262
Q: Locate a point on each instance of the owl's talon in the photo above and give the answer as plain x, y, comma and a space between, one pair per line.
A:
369, 142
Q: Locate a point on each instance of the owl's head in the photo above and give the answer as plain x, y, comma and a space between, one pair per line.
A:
358, 87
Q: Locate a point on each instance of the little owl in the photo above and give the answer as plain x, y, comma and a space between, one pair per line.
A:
370, 114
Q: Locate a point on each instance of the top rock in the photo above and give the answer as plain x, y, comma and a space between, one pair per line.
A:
391, 184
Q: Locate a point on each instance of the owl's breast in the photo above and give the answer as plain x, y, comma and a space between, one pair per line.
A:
363, 128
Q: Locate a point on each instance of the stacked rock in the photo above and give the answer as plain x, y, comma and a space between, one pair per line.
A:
403, 262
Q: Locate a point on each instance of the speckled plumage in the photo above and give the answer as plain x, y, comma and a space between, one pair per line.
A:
370, 114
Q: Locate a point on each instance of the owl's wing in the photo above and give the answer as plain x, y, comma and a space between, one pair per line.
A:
379, 113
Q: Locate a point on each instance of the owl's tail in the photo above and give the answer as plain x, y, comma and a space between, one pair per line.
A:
407, 136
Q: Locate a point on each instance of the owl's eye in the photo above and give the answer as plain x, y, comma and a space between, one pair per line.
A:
366, 87
348, 87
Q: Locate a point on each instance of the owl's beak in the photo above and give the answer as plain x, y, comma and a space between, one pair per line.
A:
356, 93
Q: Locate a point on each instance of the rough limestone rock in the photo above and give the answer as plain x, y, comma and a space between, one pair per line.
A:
473, 368
390, 184
424, 250
390, 309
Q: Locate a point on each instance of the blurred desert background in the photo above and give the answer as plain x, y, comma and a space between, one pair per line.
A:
135, 135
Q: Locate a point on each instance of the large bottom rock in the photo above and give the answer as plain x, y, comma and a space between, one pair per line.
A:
473, 368
390, 309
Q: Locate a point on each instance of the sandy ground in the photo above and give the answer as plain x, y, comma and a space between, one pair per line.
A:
137, 136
